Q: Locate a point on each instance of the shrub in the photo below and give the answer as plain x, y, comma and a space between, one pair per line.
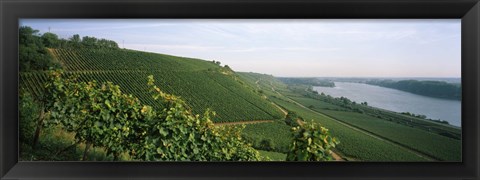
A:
312, 142
29, 112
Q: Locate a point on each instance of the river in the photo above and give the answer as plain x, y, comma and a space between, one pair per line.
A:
396, 100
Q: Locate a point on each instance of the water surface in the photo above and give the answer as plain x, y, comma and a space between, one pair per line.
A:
396, 100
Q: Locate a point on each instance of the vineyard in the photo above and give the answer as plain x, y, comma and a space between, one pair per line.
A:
364, 137
200, 83
275, 136
355, 145
87, 99
440, 147
205, 85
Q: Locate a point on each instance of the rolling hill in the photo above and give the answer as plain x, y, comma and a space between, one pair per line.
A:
202, 84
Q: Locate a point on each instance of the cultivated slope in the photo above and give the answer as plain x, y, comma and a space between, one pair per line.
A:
363, 135
202, 84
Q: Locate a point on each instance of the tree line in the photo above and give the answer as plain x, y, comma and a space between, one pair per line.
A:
308, 81
438, 89
33, 52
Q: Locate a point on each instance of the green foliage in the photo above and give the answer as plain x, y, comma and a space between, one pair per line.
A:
92, 42
275, 136
50, 148
312, 142
273, 156
421, 116
175, 134
103, 116
292, 119
98, 114
438, 89
308, 81
33, 54
267, 144
50, 40
29, 113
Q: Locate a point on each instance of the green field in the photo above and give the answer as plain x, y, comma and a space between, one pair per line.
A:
277, 132
273, 156
437, 146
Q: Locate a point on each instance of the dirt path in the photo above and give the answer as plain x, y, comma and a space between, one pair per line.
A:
281, 109
242, 122
336, 156
300, 122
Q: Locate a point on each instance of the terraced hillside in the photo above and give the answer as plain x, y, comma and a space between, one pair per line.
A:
203, 84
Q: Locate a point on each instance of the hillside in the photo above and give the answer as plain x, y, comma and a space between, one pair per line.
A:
366, 133
203, 84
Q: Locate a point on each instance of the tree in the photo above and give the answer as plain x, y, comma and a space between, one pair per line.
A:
312, 142
32, 52
291, 119
107, 44
27, 35
267, 144
28, 114
50, 40
89, 42
75, 38
75, 41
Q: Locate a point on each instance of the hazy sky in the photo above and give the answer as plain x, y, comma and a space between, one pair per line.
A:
339, 48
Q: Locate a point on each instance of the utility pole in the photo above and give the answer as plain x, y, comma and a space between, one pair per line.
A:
123, 44
49, 29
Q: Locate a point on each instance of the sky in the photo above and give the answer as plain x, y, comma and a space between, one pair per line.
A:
288, 48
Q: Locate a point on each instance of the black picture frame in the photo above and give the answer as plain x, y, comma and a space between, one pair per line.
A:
466, 10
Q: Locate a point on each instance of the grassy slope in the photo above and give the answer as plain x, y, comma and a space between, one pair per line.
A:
277, 132
440, 147
202, 84
354, 143
274, 156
